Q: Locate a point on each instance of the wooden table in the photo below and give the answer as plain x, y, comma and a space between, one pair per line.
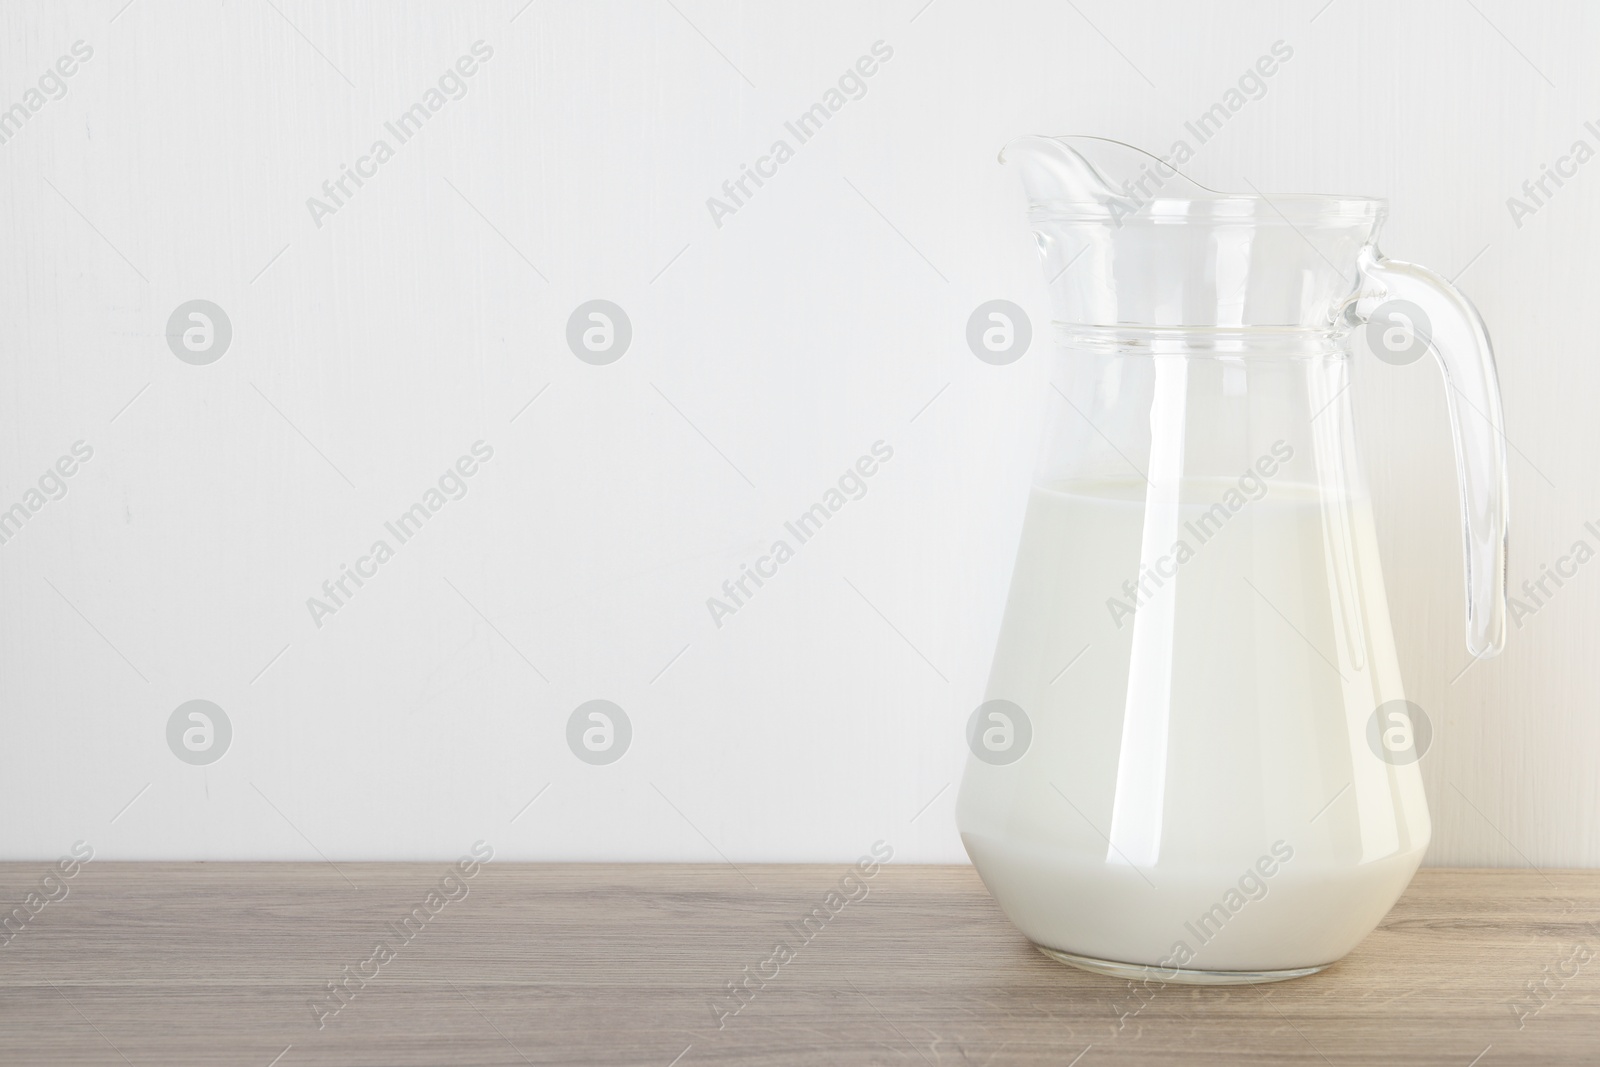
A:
212, 964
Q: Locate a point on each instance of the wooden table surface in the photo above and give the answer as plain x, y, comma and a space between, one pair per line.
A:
169, 964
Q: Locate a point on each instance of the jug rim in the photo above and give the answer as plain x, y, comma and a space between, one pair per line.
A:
1194, 203
1255, 209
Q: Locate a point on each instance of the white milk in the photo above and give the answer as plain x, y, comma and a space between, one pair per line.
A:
1163, 811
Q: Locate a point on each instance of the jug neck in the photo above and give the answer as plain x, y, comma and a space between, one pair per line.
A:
1127, 239
1199, 415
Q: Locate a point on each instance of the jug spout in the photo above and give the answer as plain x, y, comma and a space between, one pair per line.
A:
1052, 171
1095, 172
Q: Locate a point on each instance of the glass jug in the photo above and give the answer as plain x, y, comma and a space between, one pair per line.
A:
1195, 761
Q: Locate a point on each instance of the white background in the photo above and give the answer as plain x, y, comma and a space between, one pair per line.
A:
768, 354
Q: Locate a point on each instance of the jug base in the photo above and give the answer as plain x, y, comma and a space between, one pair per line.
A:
1176, 975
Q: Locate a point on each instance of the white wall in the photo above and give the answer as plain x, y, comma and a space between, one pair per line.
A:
767, 355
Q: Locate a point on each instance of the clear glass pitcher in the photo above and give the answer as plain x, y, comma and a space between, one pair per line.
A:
1195, 761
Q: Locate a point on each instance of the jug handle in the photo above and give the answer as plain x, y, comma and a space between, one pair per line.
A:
1452, 328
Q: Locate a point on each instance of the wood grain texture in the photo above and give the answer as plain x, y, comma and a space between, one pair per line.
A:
579, 964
